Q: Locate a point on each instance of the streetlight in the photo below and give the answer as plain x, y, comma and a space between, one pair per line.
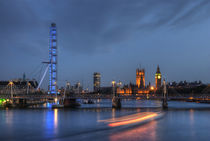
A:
28, 85
113, 86
113, 83
152, 88
11, 91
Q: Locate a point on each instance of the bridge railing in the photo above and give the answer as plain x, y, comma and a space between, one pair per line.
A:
99, 96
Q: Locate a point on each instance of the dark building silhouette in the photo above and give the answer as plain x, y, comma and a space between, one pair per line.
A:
19, 84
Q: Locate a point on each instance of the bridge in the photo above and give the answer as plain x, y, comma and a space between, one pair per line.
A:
103, 96
46, 97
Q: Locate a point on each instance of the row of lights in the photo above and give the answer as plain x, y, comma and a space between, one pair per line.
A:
120, 83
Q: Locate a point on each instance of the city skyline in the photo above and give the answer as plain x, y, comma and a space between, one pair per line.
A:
105, 70
111, 40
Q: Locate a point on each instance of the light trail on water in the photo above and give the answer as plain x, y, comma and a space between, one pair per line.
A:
132, 119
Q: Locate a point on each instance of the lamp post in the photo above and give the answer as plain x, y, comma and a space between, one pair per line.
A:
116, 103
113, 87
28, 86
78, 85
11, 89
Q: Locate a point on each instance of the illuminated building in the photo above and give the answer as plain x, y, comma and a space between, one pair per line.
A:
127, 89
96, 81
138, 88
132, 89
53, 60
158, 78
140, 78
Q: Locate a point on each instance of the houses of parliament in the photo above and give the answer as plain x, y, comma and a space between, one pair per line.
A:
140, 87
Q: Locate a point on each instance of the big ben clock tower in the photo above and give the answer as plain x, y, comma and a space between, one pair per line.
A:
158, 78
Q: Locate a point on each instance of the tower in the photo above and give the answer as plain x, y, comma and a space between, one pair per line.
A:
158, 78
53, 59
140, 78
24, 76
96, 81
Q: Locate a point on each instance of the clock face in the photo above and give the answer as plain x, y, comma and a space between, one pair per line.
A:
158, 76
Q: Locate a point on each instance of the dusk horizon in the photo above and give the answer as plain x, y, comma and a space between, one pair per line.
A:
105, 70
111, 37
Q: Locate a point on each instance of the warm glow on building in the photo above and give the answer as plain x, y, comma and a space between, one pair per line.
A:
152, 88
158, 77
140, 78
120, 91
11, 83
143, 92
140, 87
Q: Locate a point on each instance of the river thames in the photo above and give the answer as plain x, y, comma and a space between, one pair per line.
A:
142, 120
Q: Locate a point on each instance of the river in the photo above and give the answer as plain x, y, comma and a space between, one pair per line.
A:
142, 120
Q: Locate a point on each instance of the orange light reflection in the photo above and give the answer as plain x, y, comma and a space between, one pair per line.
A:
55, 118
131, 121
147, 132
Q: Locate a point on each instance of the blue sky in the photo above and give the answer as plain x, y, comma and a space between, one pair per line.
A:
112, 37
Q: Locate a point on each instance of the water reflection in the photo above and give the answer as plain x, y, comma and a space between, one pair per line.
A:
55, 119
9, 117
51, 122
83, 123
192, 122
192, 116
113, 113
131, 119
144, 132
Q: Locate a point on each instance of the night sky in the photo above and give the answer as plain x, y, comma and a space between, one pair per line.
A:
112, 37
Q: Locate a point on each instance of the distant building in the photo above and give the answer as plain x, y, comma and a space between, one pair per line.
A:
140, 78
72, 89
19, 83
132, 89
77, 89
96, 81
158, 78
138, 88
19, 86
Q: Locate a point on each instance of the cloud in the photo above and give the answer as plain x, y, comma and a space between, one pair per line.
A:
197, 13
93, 25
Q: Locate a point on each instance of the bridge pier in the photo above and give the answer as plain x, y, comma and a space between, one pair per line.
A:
164, 104
21, 103
116, 102
70, 103
165, 96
